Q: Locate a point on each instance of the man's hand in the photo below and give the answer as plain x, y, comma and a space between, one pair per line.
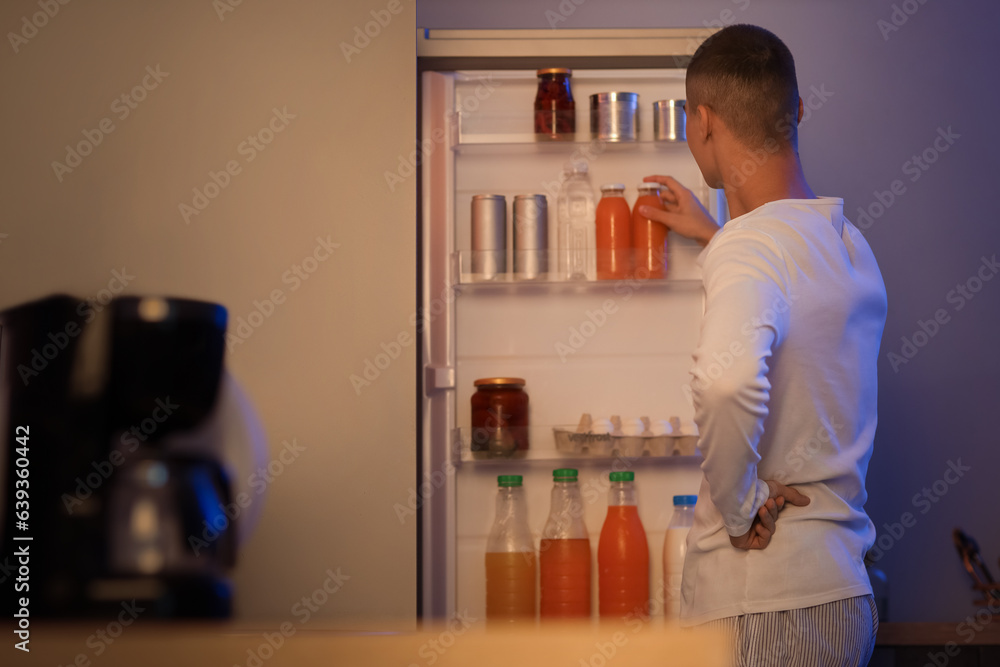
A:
764, 524
685, 214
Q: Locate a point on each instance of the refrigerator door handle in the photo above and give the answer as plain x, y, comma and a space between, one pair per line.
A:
438, 378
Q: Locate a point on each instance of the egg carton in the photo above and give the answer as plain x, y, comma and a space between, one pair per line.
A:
634, 438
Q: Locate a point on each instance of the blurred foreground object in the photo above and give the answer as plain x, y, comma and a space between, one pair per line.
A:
460, 642
113, 472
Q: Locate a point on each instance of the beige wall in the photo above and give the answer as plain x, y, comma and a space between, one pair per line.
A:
322, 176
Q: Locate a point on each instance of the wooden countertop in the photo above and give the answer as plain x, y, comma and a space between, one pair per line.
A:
278, 644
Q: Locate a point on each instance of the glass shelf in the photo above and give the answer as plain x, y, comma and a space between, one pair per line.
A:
599, 449
520, 144
682, 273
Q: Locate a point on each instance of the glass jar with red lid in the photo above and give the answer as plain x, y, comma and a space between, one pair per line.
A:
499, 418
555, 111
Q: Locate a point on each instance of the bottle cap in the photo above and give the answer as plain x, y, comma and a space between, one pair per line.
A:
613, 186
622, 476
685, 500
646, 186
564, 474
554, 70
509, 480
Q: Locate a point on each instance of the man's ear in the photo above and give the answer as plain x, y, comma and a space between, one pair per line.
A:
801, 111
706, 117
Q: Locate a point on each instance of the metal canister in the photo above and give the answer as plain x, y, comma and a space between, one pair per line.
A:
531, 237
489, 236
614, 116
669, 120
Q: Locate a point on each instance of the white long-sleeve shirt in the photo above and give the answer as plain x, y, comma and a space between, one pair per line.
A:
784, 387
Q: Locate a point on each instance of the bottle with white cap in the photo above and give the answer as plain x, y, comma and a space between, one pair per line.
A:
674, 551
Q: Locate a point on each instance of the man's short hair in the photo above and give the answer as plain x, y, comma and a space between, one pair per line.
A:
746, 75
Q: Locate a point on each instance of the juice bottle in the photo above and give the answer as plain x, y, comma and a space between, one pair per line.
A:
511, 563
649, 238
623, 554
564, 553
674, 551
614, 234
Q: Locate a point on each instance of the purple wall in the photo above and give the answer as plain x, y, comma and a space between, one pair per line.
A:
892, 94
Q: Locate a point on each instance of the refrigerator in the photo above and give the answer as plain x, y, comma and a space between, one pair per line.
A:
603, 347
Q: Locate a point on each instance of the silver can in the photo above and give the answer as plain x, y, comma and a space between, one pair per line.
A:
614, 116
669, 120
531, 237
489, 236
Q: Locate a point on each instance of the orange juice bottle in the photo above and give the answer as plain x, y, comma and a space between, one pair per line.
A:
649, 238
623, 554
614, 234
564, 553
511, 565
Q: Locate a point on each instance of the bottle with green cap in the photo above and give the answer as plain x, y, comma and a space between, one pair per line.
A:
674, 551
511, 563
564, 554
623, 554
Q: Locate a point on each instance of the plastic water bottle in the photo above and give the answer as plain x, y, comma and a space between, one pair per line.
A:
511, 563
564, 554
623, 554
576, 238
674, 551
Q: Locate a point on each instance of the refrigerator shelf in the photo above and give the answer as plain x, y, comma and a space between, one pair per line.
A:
582, 145
557, 444
477, 270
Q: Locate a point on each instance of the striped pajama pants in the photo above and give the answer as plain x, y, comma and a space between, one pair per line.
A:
836, 634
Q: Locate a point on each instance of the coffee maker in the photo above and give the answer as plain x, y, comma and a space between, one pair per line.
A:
108, 491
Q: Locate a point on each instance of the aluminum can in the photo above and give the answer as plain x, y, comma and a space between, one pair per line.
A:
531, 237
669, 121
614, 116
489, 236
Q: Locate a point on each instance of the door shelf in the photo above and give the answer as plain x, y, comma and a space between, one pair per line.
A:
582, 145
682, 273
598, 448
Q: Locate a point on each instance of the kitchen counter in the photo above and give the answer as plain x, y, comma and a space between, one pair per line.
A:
962, 644
286, 643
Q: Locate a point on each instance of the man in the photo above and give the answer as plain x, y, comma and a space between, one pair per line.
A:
784, 382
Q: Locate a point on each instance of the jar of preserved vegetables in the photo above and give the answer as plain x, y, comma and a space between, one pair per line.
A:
499, 418
555, 111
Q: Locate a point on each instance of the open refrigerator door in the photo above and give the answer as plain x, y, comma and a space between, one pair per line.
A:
614, 351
